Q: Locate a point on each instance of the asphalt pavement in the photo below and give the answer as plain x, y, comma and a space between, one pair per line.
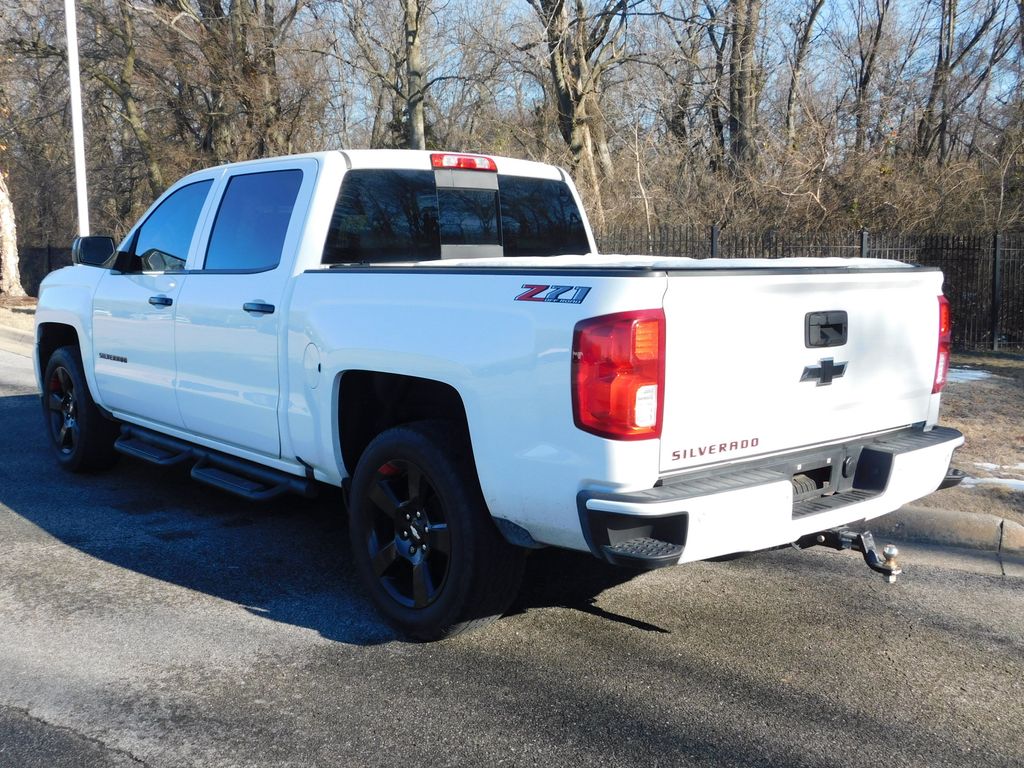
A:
149, 620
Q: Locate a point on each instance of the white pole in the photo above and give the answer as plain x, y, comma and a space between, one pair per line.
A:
76, 118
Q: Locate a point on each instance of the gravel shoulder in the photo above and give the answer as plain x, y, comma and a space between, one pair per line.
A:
19, 314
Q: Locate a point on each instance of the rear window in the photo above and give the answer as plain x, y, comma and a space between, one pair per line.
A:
468, 216
386, 216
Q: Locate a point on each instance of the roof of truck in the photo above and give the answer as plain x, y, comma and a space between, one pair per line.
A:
414, 160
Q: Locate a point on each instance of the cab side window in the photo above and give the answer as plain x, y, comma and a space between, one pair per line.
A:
163, 240
252, 222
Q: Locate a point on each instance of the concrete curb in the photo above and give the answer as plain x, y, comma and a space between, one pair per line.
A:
950, 528
17, 342
15, 336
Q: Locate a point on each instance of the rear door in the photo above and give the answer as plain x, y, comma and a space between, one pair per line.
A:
229, 314
756, 363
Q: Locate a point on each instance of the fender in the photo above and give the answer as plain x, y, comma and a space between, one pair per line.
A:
65, 298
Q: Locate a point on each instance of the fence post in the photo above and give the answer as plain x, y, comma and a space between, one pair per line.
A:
863, 242
714, 241
997, 286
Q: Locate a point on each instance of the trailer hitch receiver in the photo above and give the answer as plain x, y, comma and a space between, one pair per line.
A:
843, 538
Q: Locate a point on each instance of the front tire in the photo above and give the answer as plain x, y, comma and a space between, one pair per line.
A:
82, 438
423, 541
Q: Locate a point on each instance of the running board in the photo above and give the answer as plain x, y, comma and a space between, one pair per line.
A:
243, 478
158, 450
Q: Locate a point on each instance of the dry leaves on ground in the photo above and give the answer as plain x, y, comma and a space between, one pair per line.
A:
990, 413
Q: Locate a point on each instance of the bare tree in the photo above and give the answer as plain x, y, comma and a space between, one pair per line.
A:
951, 52
907, 119
582, 45
10, 280
745, 23
803, 31
686, 29
392, 61
118, 32
719, 37
416, 134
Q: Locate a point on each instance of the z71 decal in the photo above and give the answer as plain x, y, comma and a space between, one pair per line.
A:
554, 294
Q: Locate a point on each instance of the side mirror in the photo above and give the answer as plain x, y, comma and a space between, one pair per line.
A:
92, 251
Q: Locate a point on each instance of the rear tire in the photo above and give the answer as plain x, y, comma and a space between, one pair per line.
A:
82, 438
423, 541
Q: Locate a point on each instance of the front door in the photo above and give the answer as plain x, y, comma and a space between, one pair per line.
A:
133, 312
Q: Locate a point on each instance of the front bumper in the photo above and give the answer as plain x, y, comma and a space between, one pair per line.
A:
766, 503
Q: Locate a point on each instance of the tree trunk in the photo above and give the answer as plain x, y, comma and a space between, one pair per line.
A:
868, 56
271, 139
717, 100
687, 36
416, 131
10, 281
743, 82
933, 129
1020, 24
578, 57
928, 127
123, 89
803, 30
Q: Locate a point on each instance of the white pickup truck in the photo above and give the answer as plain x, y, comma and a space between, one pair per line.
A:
437, 334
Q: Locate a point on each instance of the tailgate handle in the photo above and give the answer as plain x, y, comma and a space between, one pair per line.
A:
825, 329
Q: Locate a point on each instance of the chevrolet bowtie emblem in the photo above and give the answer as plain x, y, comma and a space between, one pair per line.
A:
824, 372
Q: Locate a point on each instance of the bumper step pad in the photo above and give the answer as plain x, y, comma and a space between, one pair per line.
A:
643, 553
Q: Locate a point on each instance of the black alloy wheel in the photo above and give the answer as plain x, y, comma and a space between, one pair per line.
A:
423, 541
62, 405
408, 539
81, 436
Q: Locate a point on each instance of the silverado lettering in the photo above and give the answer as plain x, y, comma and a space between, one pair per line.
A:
715, 448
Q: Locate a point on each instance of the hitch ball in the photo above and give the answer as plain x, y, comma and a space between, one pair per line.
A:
890, 553
864, 542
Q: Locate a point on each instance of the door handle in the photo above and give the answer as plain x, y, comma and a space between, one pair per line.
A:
258, 307
161, 301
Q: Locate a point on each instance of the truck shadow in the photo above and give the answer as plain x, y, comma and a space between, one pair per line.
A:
556, 578
286, 560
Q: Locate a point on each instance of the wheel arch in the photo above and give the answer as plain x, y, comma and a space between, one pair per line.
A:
50, 337
370, 402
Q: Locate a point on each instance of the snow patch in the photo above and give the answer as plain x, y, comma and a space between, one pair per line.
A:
1013, 485
959, 375
988, 467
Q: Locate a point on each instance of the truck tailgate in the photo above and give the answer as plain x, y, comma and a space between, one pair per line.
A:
744, 379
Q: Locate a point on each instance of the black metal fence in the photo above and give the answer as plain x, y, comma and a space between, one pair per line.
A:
984, 273
36, 262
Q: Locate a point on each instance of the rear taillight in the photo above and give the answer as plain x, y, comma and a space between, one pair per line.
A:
945, 338
618, 375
